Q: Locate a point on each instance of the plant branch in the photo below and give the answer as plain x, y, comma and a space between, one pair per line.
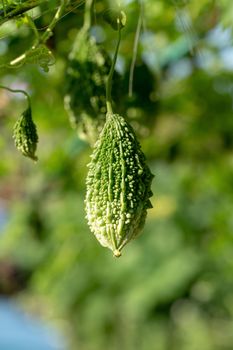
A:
88, 14
135, 50
110, 75
17, 91
12, 11
49, 31
43, 38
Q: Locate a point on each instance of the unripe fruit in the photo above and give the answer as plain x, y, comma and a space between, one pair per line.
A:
85, 93
25, 134
118, 186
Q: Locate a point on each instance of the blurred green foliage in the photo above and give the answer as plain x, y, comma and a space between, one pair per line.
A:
173, 286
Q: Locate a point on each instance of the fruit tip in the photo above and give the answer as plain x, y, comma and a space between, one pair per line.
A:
117, 253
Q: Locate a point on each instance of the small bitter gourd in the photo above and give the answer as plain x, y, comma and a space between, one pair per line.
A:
118, 185
85, 92
25, 134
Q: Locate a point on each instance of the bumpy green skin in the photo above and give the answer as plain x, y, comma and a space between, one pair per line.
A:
118, 186
85, 92
25, 135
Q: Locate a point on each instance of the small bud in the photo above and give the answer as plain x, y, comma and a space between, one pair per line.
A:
115, 18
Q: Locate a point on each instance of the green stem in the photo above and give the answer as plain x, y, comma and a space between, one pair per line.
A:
88, 14
49, 31
4, 7
13, 11
33, 27
44, 37
18, 91
110, 75
135, 50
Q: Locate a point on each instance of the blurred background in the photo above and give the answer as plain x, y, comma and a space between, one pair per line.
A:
173, 286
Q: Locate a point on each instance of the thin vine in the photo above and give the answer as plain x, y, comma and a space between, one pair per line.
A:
39, 49
18, 91
88, 14
135, 49
10, 12
110, 75
49, 31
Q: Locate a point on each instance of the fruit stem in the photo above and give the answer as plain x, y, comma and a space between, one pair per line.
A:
135, 50
88, 14
110, 75
18, 91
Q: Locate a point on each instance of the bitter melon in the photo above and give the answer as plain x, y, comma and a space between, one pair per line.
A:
118, 185
25, 134
85, 92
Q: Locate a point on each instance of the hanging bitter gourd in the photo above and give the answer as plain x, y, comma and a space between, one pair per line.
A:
119, 180
85, 92
24, 131
118, 185
25, 134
